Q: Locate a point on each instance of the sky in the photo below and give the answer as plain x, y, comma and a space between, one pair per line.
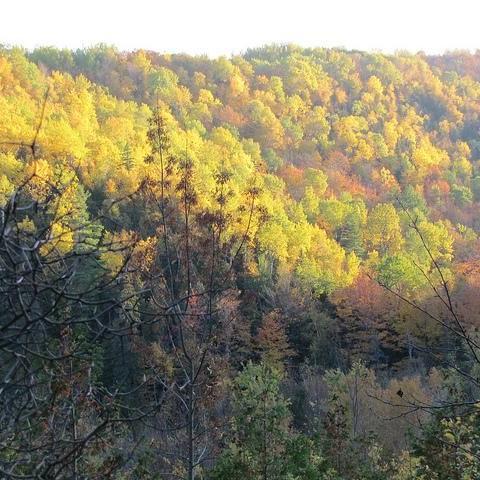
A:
216, 27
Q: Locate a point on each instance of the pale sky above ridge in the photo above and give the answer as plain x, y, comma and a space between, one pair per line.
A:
217, 27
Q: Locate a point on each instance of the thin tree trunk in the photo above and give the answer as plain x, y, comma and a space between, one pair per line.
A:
191, 424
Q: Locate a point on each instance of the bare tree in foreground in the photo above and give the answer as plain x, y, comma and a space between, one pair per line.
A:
63, 309
192, 303
460, 355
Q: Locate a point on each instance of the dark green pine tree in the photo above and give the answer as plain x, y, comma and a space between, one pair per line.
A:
127, 157
350, 236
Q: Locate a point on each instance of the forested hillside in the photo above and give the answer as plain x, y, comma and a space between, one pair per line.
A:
258, 267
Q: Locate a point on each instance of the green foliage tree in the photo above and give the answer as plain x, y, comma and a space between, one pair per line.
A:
382, 231
260, 427
449, 447
262, 446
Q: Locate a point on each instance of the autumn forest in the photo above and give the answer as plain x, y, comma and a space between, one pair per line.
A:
256, 267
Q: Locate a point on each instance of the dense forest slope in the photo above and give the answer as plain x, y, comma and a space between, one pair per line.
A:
356, 177
344, 146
